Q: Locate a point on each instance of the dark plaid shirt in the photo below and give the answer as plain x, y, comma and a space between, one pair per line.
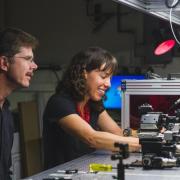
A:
6, 141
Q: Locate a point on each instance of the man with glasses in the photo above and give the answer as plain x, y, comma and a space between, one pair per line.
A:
16, 70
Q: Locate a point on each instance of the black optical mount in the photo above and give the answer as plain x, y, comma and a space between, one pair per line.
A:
122, 154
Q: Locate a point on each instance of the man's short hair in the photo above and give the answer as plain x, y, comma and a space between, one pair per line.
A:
12, 39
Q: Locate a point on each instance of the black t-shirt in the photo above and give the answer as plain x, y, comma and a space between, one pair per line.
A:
6, 141
59, 146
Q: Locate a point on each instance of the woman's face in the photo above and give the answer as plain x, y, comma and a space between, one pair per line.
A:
97, 82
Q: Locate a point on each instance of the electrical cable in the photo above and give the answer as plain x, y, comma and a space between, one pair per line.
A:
174, 4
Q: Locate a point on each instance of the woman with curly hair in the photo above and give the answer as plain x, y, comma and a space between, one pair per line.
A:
75, 121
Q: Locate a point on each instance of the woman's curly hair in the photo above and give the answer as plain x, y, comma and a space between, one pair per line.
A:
73, 80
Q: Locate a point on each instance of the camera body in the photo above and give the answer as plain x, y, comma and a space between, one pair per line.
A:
159, 136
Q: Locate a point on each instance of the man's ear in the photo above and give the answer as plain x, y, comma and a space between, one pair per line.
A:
4, 64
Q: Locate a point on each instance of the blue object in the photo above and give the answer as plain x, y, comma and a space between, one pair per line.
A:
113, 95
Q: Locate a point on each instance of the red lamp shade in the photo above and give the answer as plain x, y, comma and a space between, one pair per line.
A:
164, 47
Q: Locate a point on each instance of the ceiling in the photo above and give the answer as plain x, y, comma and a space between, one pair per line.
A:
157, 8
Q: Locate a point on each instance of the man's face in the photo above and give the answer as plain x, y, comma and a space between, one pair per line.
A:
20, 70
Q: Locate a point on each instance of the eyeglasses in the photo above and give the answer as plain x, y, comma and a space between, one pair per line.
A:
26, 58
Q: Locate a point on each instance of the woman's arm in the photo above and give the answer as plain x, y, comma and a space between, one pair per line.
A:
76, 126
107, 124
